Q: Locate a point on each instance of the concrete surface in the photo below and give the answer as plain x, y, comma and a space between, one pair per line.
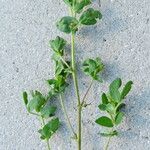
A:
121, 39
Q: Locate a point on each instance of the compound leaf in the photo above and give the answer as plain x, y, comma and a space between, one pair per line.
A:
68, 24
90, 17
58, 45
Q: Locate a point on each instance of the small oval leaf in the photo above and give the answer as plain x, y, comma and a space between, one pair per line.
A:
104, 121
119, 118
25, 98
126, 89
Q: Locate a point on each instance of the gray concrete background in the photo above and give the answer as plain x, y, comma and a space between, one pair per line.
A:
121, 39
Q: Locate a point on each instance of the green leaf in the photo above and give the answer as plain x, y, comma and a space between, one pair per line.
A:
110, 108
69, 2
48, 111
58, 85
58, 45
62, 69
68, 24
25, 98
37, 102
80, 5
114, 90
59, 68
104, 99
104, 121
126, 89
119, 118
102, 107
109, 134
49, 129
92, 67
116, 84
90, 17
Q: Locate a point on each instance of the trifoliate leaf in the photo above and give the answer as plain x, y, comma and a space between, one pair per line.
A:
93, 67
58, 85
119, 118
110, 134
25, 98
58, 45
114, 90
68, 24
49, 129
104, 121
104, 98
62, 69
80, 5
126, 89
90, 17
47, 111
36, 102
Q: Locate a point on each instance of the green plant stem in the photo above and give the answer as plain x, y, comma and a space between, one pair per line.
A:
33, 113
64, 62
74, 74
109, 139
76, 88
84, 97
66, 115
107, 144
47, 141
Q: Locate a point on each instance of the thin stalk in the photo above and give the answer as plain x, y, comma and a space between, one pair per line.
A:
33, 113
74, 74
107, 144
76, 88
66, 115
64, 61
84, 97
47, 141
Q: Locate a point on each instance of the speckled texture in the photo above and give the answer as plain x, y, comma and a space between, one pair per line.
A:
121, 39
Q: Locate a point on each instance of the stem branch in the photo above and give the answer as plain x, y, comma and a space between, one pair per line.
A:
64, 62
74, 75
83, 100
76, 88
66, 115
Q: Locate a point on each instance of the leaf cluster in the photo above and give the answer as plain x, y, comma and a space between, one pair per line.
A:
38, 105
92, 68
70, 24
112, 104
62, 68
77, 6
